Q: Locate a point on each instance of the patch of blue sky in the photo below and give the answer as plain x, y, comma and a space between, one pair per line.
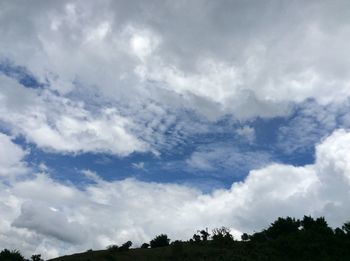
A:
227, 156
20, 73
235, 158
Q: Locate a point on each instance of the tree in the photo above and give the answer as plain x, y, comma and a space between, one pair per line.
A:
196, 238
282, 226
160, 241
221, 236
244, 237
125, 246
36, 258
204, 234
145, 245
113, 248
339, 232
13, 255
346, 228
318, 225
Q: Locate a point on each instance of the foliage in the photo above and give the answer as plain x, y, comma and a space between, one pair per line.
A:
204, 235
160, 241
145, 245
282, 226
196, 238
36, 258
13, 255
112, 248
346, 228
125, 246
222, 237
245, 237
308, 223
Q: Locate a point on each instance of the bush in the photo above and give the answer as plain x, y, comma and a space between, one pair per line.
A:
36, 258
125, 246
113, 248
222, 237
160, 241
145, 245
245, 237
282, 226
196, 238
13, 255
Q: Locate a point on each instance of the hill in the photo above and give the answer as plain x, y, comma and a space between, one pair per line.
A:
286, 239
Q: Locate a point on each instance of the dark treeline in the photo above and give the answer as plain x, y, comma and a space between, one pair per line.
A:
285, 239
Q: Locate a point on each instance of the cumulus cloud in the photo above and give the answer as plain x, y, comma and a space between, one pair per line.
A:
12, 157
48, 221
110, 212
59, 124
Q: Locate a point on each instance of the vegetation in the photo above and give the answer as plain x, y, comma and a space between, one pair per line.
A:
160, 241
7, 255
286, 239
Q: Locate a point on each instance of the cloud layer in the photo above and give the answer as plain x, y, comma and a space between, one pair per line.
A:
253, 61
119, 76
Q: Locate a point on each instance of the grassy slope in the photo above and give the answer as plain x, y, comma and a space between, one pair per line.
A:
284, 249
285, 240
187, 252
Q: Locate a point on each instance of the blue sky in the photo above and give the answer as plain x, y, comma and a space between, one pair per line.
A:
218, 113
262, 143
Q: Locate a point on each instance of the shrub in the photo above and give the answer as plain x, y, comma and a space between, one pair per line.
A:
244, 237
145, 245
222, 237
125, 246
160, 241
36, 258
13, 255
113, 247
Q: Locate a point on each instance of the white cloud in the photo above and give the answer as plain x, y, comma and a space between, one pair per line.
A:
48, 221
109, 212
59, 124
11, 157
117, 49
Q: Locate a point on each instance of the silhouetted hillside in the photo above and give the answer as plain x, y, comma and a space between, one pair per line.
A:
285, 239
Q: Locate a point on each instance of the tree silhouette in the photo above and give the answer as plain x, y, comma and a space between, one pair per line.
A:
282, 226
244, 237
204, 235
346, 228
36, 258
222, 237
13, 255
125, 246
145, 245
112, 248
160, 241
196, 238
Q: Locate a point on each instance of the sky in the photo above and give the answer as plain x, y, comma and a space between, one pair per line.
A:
121, 120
